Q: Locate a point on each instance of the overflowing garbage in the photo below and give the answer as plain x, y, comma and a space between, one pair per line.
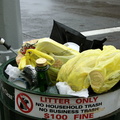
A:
70, 72
99, 69
52, 65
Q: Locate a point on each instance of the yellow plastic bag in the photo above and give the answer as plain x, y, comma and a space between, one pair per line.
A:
76, 70
98, 68
46, 48
31, 56
106, 72
55, 53
59, 61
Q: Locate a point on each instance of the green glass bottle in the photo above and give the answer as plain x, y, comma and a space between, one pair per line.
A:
42, 74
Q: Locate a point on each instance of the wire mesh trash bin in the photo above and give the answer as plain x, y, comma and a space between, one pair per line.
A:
17, 103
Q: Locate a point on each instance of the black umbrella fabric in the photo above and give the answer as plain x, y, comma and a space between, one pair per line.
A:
63, 34
88, 44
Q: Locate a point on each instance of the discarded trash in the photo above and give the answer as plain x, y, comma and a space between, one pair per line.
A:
15, 76
63, 34
42, 76
106, 72
29, 74
13, 72
73, 46
55, 53
65, 89
21, 82
52, 89
76, 71
96, 68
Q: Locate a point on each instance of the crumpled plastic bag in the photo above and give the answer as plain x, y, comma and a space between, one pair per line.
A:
13, 72
99, 69
31, 56
106, 72
59, 61
55, 53
65, 89
75, 71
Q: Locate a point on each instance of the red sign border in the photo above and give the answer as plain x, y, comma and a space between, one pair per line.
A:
18, 96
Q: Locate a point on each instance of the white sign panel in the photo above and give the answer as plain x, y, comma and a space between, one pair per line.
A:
58, 108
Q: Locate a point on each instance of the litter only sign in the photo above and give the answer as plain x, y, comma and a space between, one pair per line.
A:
58, 108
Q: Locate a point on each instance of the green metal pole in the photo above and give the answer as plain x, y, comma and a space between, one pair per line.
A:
10, 27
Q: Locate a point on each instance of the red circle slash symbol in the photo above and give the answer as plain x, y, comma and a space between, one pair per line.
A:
24, 102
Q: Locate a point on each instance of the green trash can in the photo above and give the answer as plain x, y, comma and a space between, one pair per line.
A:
17, 103
1, 111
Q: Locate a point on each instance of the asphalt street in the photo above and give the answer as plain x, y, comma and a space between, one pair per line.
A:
82, 15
